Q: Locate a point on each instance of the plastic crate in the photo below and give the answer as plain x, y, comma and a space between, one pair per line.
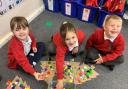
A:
69, 7
86, 13
52, 5
66, 85
102, 16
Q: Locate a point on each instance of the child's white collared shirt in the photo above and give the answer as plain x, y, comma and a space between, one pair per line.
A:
111, 39
76, 45
27, 45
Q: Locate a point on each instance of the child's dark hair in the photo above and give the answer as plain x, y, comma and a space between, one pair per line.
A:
18, 21
66, 27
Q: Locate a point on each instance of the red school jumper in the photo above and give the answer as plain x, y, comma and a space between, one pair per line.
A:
61, 49
16, 54
96, 40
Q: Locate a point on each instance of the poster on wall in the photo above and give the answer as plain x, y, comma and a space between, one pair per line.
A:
11, 4
3, 6
18, 1
6, 5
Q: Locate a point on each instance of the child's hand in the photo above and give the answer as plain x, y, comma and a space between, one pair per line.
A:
59, 84
38, 76
41, 76
75, 50
99, 60
34, 49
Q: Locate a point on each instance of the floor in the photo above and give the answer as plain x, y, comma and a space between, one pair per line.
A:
43, 27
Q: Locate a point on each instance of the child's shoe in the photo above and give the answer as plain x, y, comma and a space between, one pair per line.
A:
111, 67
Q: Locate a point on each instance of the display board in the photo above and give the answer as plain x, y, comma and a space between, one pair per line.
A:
6, 5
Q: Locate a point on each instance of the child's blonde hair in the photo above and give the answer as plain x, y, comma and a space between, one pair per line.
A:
19, 22
109, 17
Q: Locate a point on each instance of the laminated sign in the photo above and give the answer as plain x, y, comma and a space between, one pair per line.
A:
50, 5
86, 13
68, 8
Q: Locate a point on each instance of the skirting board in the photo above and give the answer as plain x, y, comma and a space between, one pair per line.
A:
7, 37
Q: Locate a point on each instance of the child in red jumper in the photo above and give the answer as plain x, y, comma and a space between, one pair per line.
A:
68, 40
23, 52
106, 45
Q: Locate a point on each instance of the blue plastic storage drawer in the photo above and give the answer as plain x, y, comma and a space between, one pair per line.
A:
52, 5
86, 13
69, 7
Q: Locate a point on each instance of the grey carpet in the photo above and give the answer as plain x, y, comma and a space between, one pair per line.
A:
118, 79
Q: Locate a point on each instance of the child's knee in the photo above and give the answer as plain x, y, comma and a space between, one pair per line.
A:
51, 48
89, 55
120, 59
41, 45
92, 53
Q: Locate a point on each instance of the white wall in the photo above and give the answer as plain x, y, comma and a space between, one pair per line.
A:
27, 8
